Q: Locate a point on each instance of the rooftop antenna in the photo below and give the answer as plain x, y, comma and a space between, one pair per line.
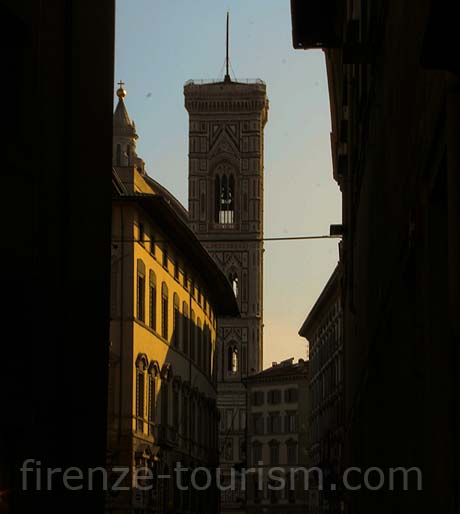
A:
227, 60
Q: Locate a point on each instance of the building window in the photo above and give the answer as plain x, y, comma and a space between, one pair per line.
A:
140, 395
152, 244
291, 452
274, 396
291, 395
232, 359
140, 296
176, 322
234, 281
152, 300
274, 453
274, 423
224, 199
258, 397
258, 423
185, 328
229, 450
152, 400
164, 311
290, 422
256, 453
193, 336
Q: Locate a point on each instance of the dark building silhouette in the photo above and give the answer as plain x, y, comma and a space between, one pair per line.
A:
395, 106
323, 329
55, 247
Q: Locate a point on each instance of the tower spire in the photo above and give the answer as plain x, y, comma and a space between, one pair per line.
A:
227, 59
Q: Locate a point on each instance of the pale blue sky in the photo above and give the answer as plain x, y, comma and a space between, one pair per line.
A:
160, 44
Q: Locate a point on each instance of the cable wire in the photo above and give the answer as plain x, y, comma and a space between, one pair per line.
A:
234, 240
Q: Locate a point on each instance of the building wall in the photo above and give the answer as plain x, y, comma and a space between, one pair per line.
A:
323, 329
278, 396
393, 98
55, 246
182, 426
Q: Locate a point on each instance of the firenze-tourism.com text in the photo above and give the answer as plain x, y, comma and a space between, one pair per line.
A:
37, 477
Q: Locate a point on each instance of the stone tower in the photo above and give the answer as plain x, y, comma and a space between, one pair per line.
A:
226, 164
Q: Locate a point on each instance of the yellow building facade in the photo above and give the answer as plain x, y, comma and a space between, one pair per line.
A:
166, 295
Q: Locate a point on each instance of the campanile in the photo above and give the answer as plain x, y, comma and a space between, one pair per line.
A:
226, 189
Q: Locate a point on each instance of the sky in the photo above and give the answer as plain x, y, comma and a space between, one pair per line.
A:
160, 44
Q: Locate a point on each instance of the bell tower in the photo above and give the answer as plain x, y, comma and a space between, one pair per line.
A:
226, 164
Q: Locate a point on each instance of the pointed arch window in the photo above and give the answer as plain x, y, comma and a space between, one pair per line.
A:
176, 322
164, 310
193, 334
185, 328
235, 283
233, 359
140, 291
224, 197
152, 397
128, 153
141, 367
152, 300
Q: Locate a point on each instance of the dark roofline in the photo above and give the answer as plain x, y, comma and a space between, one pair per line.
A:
161, 211
280, 372
326, 293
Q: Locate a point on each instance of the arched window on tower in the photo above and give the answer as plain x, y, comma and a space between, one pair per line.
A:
233, 361
234, 281
128, 153
225, 199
